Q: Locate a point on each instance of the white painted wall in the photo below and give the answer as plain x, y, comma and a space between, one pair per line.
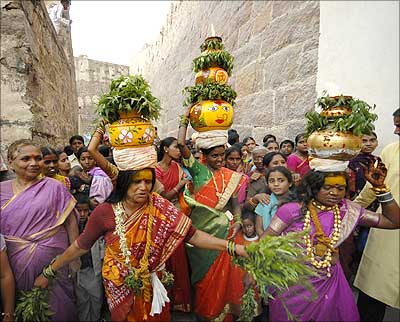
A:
359, 55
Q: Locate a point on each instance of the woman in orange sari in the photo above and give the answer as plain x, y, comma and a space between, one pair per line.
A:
141, 231
215, 209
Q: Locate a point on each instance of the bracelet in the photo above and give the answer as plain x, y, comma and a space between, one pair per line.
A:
380, 190
238, 220
252, 202
231, 248
184, 121
48, 271
385, 197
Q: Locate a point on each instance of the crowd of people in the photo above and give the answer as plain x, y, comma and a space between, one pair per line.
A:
74, 222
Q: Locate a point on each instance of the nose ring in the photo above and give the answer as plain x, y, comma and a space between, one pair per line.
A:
330, 192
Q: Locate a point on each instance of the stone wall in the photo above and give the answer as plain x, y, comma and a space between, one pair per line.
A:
38, 89
93, 78
275, 45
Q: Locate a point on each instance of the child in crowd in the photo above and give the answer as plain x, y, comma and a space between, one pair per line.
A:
280, 184
100, 184
89, 285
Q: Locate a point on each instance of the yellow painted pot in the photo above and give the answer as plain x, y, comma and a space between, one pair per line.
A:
211, 115
328, 144
131, 131
216, 74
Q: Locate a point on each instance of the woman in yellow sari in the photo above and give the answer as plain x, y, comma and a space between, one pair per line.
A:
141, 231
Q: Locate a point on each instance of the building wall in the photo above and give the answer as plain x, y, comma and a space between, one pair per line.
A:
38, 89
93, 78
275, 45
359, 56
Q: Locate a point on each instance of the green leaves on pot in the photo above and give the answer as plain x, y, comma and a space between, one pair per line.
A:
359, 122
33, 306
127, 94
209, 91
221, 58
212, 44
277, 263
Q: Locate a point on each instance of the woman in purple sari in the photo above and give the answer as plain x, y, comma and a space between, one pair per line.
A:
330, 219
38, 224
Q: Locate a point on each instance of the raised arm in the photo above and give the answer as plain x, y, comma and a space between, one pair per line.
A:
183, 124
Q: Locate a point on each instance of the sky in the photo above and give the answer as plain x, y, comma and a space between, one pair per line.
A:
114, 31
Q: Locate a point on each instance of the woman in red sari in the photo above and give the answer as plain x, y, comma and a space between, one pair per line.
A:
141, 231
297, 162
170, 174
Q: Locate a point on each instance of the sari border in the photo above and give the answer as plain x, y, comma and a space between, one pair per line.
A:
350, 219
230, 189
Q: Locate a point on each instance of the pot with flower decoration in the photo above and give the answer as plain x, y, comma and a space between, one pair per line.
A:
128, 108
335, 132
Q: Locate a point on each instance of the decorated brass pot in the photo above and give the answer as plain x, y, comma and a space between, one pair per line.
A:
131, 131
216, 74
211, 115
328, 144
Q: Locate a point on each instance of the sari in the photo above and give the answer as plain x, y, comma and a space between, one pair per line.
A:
32, 224
211, 269
169, 230
297, 165
180, 292
101, 185
335, 301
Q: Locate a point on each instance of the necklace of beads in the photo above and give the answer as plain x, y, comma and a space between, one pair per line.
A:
217, 192
138, 278
325, 252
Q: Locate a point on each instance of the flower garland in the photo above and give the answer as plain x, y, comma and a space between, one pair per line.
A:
138, 278
325, 246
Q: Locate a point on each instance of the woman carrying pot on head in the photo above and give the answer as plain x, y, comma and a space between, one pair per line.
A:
141, 231
172, 177
214, 192
38, 223
328, 219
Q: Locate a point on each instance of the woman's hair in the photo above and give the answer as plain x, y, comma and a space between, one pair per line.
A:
270, 142
298, 137
13, 148
248, 138
209, 150
68, 150
80, 151
232, 149
259, 149
311, 184
48, 151
165, 143
291, 195
233, 137
124, 181
269, 156
268, 137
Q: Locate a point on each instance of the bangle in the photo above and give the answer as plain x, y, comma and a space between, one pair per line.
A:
380, 190
231, 248
385, 197
238, 220
48, 271
184, 121
252, 202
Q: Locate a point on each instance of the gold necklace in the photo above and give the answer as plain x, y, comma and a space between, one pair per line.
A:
310, 250
318, 205
217, 192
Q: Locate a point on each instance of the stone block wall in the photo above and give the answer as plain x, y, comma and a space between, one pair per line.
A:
38, 89
275, 46
93, 78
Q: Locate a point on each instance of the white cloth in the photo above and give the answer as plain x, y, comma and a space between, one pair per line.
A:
160, 295
135, 158
210, 139
328, 165
55, 14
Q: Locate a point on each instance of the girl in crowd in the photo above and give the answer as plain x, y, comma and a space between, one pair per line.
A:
234, 162
141, 231
50, 166
280, 185
214, 192
331, 218
171, 175
297, 162
100, 184
64, 166
38, 224
272, 146
257, 187
250, 143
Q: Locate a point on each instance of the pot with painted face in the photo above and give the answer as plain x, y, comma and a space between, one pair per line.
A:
329, 144
131, 130
211, 115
